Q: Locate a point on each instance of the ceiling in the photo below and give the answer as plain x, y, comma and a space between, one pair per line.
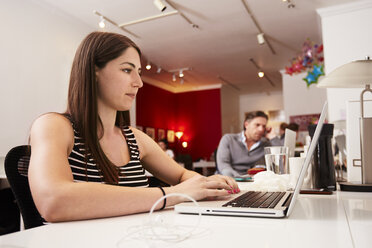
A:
221, 49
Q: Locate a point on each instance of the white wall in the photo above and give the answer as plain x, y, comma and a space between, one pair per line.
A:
259, 101
299, 99
37, 46
229, 110
346, 37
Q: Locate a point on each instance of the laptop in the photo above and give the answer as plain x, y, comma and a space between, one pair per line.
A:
290, 141
256, 203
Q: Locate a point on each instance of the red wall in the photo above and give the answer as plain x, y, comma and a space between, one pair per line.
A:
196, 113
155, 108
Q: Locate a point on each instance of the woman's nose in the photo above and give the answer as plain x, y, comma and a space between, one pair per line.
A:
137, 81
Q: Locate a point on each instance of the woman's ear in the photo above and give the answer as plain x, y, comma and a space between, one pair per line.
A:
96, 69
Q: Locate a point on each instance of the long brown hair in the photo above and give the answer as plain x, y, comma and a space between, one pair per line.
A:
96, 50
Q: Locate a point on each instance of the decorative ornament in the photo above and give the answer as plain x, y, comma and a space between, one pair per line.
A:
289, 70
311, 60
298, 67
310, 79
318, 71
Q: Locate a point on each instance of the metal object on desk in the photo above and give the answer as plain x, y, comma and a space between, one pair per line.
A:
323, 170
366, 141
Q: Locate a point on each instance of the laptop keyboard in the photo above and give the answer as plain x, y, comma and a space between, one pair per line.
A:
254, 199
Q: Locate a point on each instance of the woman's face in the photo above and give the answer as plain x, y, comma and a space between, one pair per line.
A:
119, 81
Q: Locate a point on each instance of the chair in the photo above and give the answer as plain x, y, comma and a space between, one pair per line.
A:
16, 169
9, 212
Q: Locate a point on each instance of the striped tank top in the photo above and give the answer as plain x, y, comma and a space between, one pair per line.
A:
131, 174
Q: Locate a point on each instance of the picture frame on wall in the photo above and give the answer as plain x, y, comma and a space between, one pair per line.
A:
304, 121
150, 131
161, 134
170, 136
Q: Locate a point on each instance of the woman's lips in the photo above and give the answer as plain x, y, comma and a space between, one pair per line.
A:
131, 95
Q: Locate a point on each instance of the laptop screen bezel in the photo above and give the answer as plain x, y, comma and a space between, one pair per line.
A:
309, 155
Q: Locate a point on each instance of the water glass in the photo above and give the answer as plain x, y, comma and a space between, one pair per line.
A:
276, 159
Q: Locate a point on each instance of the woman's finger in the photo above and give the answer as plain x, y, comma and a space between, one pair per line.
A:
217, 185
217, 192
232, 183
228, 180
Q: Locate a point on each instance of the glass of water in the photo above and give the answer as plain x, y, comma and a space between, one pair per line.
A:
276, 159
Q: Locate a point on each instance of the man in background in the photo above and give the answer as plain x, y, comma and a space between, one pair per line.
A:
239, 152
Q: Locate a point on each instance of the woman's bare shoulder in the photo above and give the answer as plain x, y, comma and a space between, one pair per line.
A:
140, 136
52, 120
52, 127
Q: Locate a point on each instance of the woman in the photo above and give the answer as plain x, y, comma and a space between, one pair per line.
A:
87, 163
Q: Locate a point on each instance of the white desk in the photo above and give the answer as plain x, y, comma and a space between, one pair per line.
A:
204, 165
340, 220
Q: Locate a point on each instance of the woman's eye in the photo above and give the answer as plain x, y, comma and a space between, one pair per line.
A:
127, 70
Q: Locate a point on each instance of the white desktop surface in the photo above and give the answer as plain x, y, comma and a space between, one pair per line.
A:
358, 208
343, 219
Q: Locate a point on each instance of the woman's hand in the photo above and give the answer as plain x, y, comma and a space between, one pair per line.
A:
200, 187
234, 188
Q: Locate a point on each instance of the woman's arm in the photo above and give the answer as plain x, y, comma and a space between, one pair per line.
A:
162, 166
59, 198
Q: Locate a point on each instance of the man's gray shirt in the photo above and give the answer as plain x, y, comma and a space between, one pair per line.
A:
233, 157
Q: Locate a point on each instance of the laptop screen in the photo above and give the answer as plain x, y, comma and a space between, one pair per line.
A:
309, 155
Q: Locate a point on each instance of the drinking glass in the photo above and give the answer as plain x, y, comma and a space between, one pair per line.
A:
276, 159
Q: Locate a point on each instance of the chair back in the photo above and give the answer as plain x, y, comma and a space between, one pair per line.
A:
16, 169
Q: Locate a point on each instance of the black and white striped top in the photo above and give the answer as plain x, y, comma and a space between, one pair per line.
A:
131, 174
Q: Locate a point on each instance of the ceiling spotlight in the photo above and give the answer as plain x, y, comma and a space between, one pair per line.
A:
182, 81
158, 70
148, 66
101, 23
261, 38
174, 77
261, 74
181, 74
160, 5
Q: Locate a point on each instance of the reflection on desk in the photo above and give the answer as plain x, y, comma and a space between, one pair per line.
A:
343, 219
